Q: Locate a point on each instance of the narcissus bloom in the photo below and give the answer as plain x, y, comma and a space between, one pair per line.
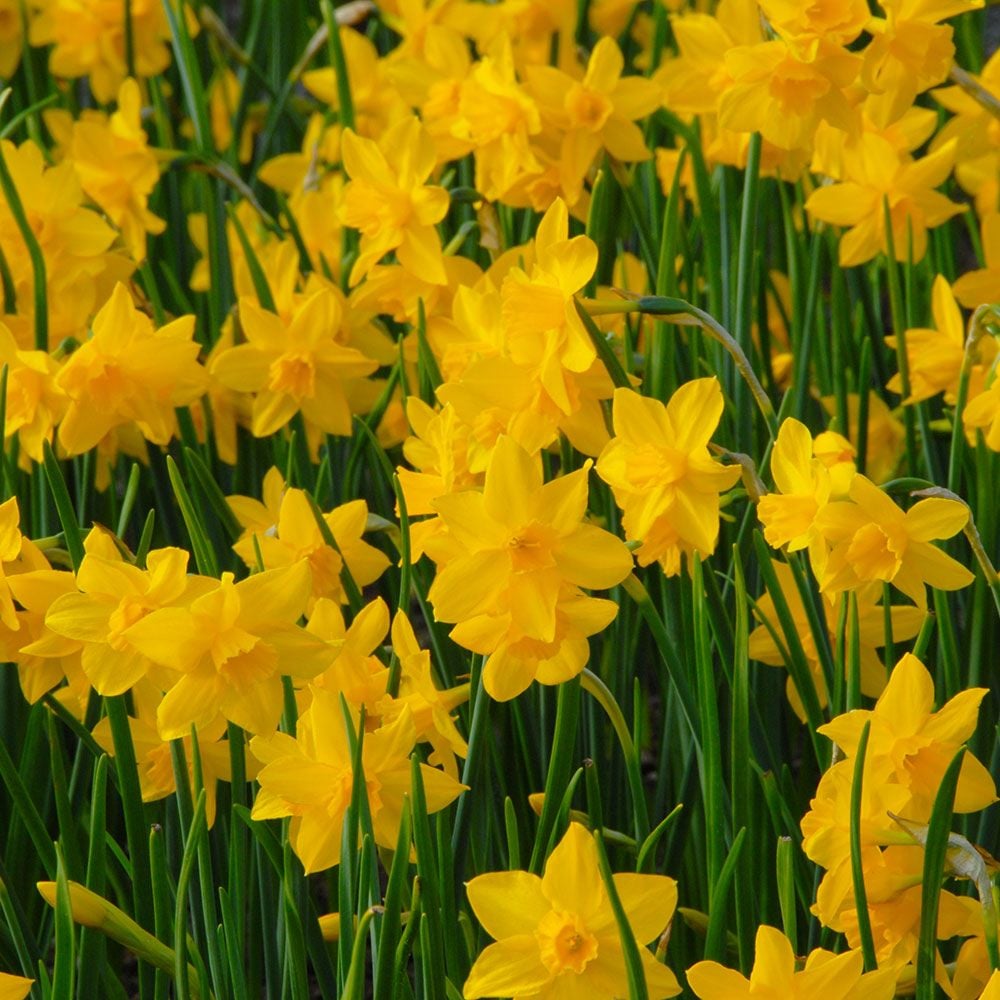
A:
598, 111
916, 743
35, 403
496, 118
556, 936
936, 355
910, 747
662, 474
873, 539
310, 777
391, 204
805, 484
114, 595
154, 761
88, 39
288, 531
542, 330
294, 365
909, 53
520, 547
74, 240
128, 371
117, 168
774, 975
876, 173
784, 93
231, 645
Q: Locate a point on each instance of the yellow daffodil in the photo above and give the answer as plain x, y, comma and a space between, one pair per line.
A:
825, 974
496, 118
977, 132
35, 403
310, 778
662, 474
556, 936
388, 200
88, 39
805, 486
910, 746
873, 539
74, 240
522, 543
598, 111
876, 174
784, 93
129, 372
117, 168
376, 102
231, 645
157, 778
283, 529
909, 53
936, 356
112, 596
916, 742
294, 366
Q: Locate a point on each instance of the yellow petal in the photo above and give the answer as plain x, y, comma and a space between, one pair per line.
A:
507, 903
512, 967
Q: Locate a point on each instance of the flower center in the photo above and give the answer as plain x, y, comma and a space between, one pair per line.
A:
293, 374
564, 943
875, 554
587, 108
529, 548
128, 612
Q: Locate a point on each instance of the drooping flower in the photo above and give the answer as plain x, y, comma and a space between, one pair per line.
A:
557, 936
